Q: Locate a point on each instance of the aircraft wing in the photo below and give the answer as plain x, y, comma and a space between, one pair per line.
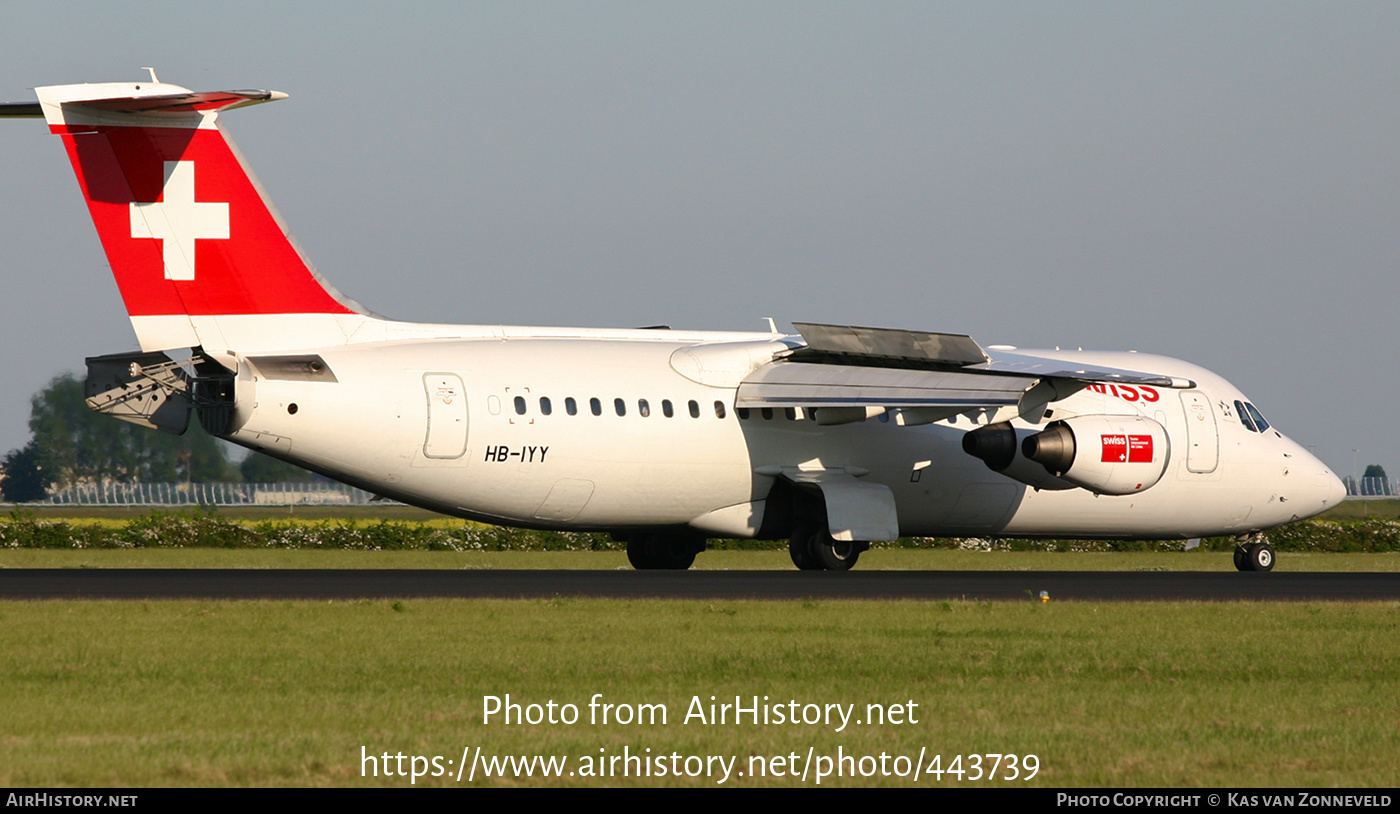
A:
848, 366
1021, 364
807, 384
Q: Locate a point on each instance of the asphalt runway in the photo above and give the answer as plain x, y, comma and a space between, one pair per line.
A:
1198, 586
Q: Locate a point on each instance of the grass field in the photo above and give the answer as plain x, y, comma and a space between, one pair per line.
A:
287, 693
1369, 507
96, 693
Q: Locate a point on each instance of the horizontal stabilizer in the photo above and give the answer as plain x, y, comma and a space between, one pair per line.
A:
184, 102
21, 110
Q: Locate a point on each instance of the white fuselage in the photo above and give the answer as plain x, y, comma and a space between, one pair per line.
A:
459, 425
846, 434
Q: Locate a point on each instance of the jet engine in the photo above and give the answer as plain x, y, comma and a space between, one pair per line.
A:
1106, 454
999, 447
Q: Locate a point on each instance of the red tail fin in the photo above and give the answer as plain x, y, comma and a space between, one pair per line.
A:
186, 227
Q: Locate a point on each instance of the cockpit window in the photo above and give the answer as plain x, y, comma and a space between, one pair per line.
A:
1259, 421
1244, 416
1250, 416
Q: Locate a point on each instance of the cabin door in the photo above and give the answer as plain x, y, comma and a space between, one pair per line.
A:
447, 416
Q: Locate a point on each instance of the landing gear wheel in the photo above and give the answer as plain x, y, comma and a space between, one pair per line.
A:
1261, 557
640, 552
678, 556
800, 549
833, 554
1254, 557
657, 551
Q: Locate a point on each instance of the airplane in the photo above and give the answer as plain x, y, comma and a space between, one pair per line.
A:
831, 438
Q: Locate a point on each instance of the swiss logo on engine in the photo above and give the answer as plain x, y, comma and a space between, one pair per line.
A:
1126, 449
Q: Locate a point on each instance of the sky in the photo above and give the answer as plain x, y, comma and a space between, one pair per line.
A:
1211, 181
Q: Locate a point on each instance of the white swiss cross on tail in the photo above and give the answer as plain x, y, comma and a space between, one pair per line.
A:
178, 221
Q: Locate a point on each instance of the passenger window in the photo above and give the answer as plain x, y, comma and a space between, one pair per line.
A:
520, 405
570, 406
545, 407
767, 413
719, 409
742, 413
595, 405
694, 409
643, 409
666, 408
620, 406
790, 413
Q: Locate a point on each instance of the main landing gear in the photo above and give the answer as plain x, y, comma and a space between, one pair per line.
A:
662, 551
814, 549
1253, 554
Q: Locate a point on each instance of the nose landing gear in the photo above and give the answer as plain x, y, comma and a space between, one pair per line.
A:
1253, 554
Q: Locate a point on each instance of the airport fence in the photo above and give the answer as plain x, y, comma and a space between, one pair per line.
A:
213, 494
1371, 487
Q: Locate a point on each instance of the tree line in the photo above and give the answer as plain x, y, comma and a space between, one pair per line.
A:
70, 444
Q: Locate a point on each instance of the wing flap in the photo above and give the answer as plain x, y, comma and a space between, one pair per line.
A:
944, 374
804, 384
850, 344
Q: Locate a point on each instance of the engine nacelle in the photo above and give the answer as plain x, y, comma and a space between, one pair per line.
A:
999, 445
1106, 454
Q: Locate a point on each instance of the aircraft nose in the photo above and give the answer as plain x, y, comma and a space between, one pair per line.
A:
1328, 490
1335, 489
